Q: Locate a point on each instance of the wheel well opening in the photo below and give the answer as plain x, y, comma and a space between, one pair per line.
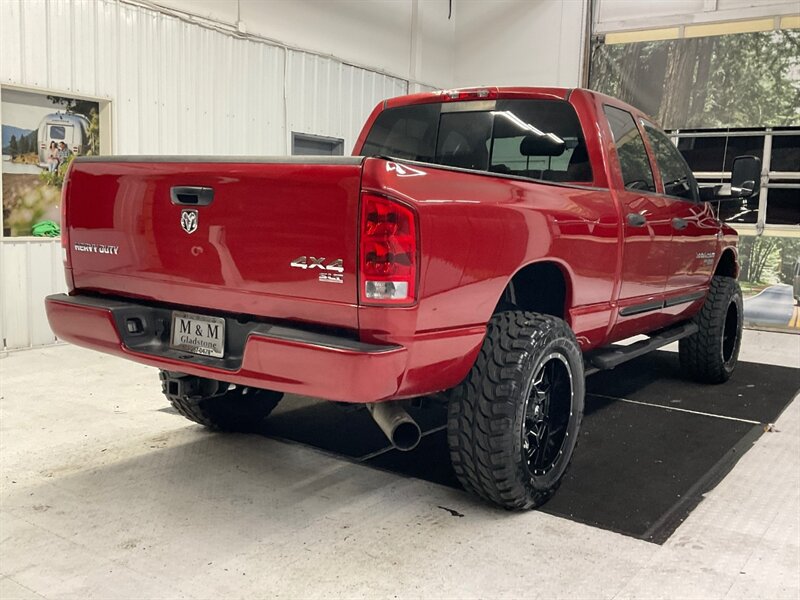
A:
727, 267
540, 287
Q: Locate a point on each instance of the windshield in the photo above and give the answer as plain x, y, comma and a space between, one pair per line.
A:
538, 139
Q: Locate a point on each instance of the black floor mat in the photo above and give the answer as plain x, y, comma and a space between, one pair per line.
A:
340, 430
638, 470
755, 392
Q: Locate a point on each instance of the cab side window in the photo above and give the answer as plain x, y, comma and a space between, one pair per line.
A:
675, 173
633, 160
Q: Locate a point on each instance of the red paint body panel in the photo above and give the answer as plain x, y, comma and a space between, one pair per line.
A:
476, 230
476, 233
283, 366
263, 215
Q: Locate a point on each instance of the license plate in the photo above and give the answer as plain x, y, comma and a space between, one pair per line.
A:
198, 334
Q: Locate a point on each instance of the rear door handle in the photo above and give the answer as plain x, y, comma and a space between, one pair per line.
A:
191, 195
636, 220
679, 223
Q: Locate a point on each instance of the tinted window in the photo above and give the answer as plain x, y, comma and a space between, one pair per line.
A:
57, 132
404, 132
539, 139
463, 140
633, 160
675, 173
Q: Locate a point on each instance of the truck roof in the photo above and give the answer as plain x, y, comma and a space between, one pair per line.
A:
493, 92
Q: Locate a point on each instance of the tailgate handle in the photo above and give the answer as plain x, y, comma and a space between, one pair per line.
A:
191, 195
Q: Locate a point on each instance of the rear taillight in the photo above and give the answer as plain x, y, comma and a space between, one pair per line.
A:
388, 260
65, 232
64, 224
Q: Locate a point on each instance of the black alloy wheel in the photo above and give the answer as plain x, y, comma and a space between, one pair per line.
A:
731, 333
547, 415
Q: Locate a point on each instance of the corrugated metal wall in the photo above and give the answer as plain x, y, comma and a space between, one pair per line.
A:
327, 97
29, 271
176, 88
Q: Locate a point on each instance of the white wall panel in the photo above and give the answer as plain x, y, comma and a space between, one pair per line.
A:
175, 88
622, 15
36, 33
333, 99
519, 42
14, 295
365, 32
181, 88
29, 271
11, 37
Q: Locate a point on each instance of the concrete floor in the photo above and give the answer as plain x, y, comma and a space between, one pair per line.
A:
106, 496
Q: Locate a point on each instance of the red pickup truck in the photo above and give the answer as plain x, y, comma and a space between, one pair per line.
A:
483, 246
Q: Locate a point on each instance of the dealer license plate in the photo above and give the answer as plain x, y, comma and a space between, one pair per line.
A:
198, 334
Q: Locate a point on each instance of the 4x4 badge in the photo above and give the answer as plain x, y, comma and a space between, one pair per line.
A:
189, 220
333, 272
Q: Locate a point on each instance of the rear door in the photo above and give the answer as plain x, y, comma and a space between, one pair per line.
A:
694, 225
647, 229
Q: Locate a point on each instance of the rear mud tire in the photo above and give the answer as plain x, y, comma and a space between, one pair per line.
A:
219, 405
527, 385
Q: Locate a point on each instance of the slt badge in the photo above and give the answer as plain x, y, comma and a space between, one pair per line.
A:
189, 220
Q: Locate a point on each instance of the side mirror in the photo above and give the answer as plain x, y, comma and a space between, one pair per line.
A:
745, 176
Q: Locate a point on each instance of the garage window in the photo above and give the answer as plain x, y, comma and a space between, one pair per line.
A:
710, 155
306, 144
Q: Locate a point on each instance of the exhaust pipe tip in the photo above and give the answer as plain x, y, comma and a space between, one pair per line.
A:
397, 425
406, 436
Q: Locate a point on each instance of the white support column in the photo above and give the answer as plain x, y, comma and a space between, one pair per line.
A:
764, 190
415, 58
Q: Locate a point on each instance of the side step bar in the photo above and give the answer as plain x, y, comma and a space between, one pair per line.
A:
614, 356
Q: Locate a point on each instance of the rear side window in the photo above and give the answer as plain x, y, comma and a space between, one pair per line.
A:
675, 173
538, 139
633, 160
405, 132
541, 139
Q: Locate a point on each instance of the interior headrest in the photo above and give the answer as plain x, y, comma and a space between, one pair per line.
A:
541, 145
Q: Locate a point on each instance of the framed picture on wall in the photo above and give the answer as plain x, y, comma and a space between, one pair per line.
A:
41, 134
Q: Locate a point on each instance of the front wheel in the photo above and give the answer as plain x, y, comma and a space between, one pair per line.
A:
711, 354
513, 422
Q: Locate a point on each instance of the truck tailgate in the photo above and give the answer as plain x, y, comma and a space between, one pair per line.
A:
147, 227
